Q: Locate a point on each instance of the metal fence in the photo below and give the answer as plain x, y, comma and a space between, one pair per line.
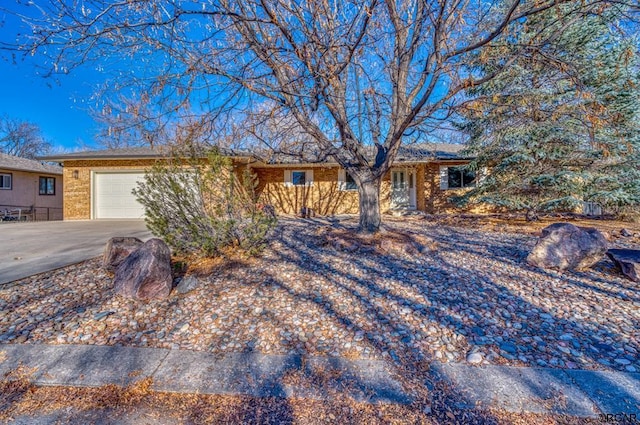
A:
9, 213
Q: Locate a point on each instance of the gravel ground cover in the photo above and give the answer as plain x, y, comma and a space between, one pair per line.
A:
468, 297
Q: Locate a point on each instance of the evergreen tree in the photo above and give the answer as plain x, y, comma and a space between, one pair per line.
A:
561, 125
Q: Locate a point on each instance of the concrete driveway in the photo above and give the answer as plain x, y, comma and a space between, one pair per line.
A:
31, 248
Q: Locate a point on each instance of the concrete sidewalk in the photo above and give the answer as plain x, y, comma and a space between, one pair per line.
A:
179, 371
581, 393
571, 392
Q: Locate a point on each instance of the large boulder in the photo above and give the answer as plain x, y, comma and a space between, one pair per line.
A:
146, 272
117, 250
563, 246
628, 260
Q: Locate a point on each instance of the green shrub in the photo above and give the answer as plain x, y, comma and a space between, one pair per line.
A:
200, 205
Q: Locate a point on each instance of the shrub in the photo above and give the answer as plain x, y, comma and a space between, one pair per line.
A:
199, 204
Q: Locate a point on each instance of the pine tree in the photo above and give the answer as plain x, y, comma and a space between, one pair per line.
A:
561, 126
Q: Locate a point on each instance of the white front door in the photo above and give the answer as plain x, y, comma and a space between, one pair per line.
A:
403, 188
411, 177
113, 197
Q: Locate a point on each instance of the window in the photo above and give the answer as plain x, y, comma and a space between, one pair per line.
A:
349, 182
456, 177
345, 181
5, 181
47, 186
298, 178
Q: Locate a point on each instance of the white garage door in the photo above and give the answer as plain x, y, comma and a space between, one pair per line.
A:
113, 197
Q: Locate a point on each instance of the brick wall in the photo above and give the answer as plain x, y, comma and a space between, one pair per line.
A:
77, 191
323, 197
436, 199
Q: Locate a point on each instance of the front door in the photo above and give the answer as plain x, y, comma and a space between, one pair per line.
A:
403, 189
411, 177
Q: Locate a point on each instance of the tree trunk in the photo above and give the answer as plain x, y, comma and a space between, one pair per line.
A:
369, 191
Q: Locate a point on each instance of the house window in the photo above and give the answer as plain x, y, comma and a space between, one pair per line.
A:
349, 182
47, 186
459, 177
345, 181
5, 181
298, 178
456, 177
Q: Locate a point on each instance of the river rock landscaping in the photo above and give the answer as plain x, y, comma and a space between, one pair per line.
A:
461, 294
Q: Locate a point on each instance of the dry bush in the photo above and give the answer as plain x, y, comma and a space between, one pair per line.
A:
202, 206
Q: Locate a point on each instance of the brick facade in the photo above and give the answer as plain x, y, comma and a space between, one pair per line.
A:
323, 197
77, 191
436, 199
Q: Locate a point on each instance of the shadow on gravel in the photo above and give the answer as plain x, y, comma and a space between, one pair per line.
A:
472, 293
53, 314
528, 323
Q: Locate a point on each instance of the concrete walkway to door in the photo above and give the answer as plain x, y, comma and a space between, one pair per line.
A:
37, 247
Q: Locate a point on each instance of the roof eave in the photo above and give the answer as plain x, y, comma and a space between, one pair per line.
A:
28, 170
461, 158
63, 158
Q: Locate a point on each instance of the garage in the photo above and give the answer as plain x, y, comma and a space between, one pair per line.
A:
113, 197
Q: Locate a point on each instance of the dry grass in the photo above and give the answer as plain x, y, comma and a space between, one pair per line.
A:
392, 238
137, 403
389, 239
205, 267
517, 223
20, 398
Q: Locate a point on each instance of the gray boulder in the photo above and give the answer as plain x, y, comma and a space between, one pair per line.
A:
146, 272
187, 284
628, 260
117, 250
563, 246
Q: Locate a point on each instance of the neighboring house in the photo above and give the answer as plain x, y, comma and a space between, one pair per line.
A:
33, 188
98, 184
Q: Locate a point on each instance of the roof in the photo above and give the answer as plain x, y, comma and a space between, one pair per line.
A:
16, 163
407, 153
141, 152
419, 152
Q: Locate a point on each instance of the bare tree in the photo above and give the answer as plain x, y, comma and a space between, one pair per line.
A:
22, 138
355, 78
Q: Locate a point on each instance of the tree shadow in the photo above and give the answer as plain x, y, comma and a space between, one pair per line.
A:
470, 293
469, 302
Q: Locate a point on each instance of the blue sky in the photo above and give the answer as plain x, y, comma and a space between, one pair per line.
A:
60, 105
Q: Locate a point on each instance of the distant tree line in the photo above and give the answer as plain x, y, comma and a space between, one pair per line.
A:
22, 138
